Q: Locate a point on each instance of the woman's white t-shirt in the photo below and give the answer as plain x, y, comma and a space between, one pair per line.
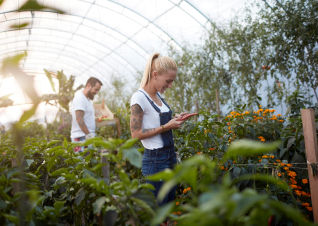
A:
150, 119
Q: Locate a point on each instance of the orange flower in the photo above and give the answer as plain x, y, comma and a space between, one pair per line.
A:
211, 149
309, 208
264, 157
279, 174
293, 181
222, 167
177, 203
228, 123
294, 186
305, 193
199, 153
286, 168
297, 192
261, 138
278, 160
305, 204
289, 165
281, 120
305, 181
185, 191
292, 174
179, 212
189, 188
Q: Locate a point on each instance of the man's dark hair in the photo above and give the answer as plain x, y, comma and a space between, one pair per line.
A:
92, 81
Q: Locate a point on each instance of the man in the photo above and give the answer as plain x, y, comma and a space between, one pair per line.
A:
83, 113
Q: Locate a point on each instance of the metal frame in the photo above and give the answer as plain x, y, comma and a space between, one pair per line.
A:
82, 36
70, 59
57, 43
85, 37
141, 51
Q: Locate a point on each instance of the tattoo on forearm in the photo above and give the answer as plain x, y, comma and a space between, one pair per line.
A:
136, 117
147, 130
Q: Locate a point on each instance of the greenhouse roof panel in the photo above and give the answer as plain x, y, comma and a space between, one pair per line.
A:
103, 37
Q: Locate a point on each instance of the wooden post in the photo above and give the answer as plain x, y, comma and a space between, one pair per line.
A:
105, 167
310, 136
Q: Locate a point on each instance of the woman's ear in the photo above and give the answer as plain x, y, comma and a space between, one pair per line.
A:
155, 74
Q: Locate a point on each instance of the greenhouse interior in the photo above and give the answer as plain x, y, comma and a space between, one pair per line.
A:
158, 112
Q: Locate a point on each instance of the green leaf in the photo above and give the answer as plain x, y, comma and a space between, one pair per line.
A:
249, 148
166, 174
49, 77
19, 26
59, 206
290, 212
28, 113
162, 213
165, 189
29, 162
129, 143
290, 142
133, 156
60, 172
143, 205
245, 201
80, 195
12, 61
265, 178
98, 142
12, 218
98, 205
33, 5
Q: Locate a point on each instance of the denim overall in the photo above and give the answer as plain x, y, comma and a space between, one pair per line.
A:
159, 159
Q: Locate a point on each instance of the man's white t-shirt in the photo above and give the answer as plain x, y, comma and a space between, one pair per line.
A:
151, 118
81, 102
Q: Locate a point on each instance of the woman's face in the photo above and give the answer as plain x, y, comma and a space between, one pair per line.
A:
164, 80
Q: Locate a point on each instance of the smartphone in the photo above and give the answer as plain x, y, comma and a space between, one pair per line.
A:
186, 116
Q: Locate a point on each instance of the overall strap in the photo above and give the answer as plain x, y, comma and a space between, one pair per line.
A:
151, 102
163, 100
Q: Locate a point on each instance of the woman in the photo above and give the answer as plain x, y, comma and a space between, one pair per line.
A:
151, 119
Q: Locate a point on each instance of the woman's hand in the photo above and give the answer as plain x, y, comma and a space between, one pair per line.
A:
179, 116
173, 124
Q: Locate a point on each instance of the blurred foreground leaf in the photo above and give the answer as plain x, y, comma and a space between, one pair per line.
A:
249, 148
18, 26
33, 5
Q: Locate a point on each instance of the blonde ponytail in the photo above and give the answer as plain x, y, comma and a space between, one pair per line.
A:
160, 64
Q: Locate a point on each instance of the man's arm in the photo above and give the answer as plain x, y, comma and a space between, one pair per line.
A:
80, 120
